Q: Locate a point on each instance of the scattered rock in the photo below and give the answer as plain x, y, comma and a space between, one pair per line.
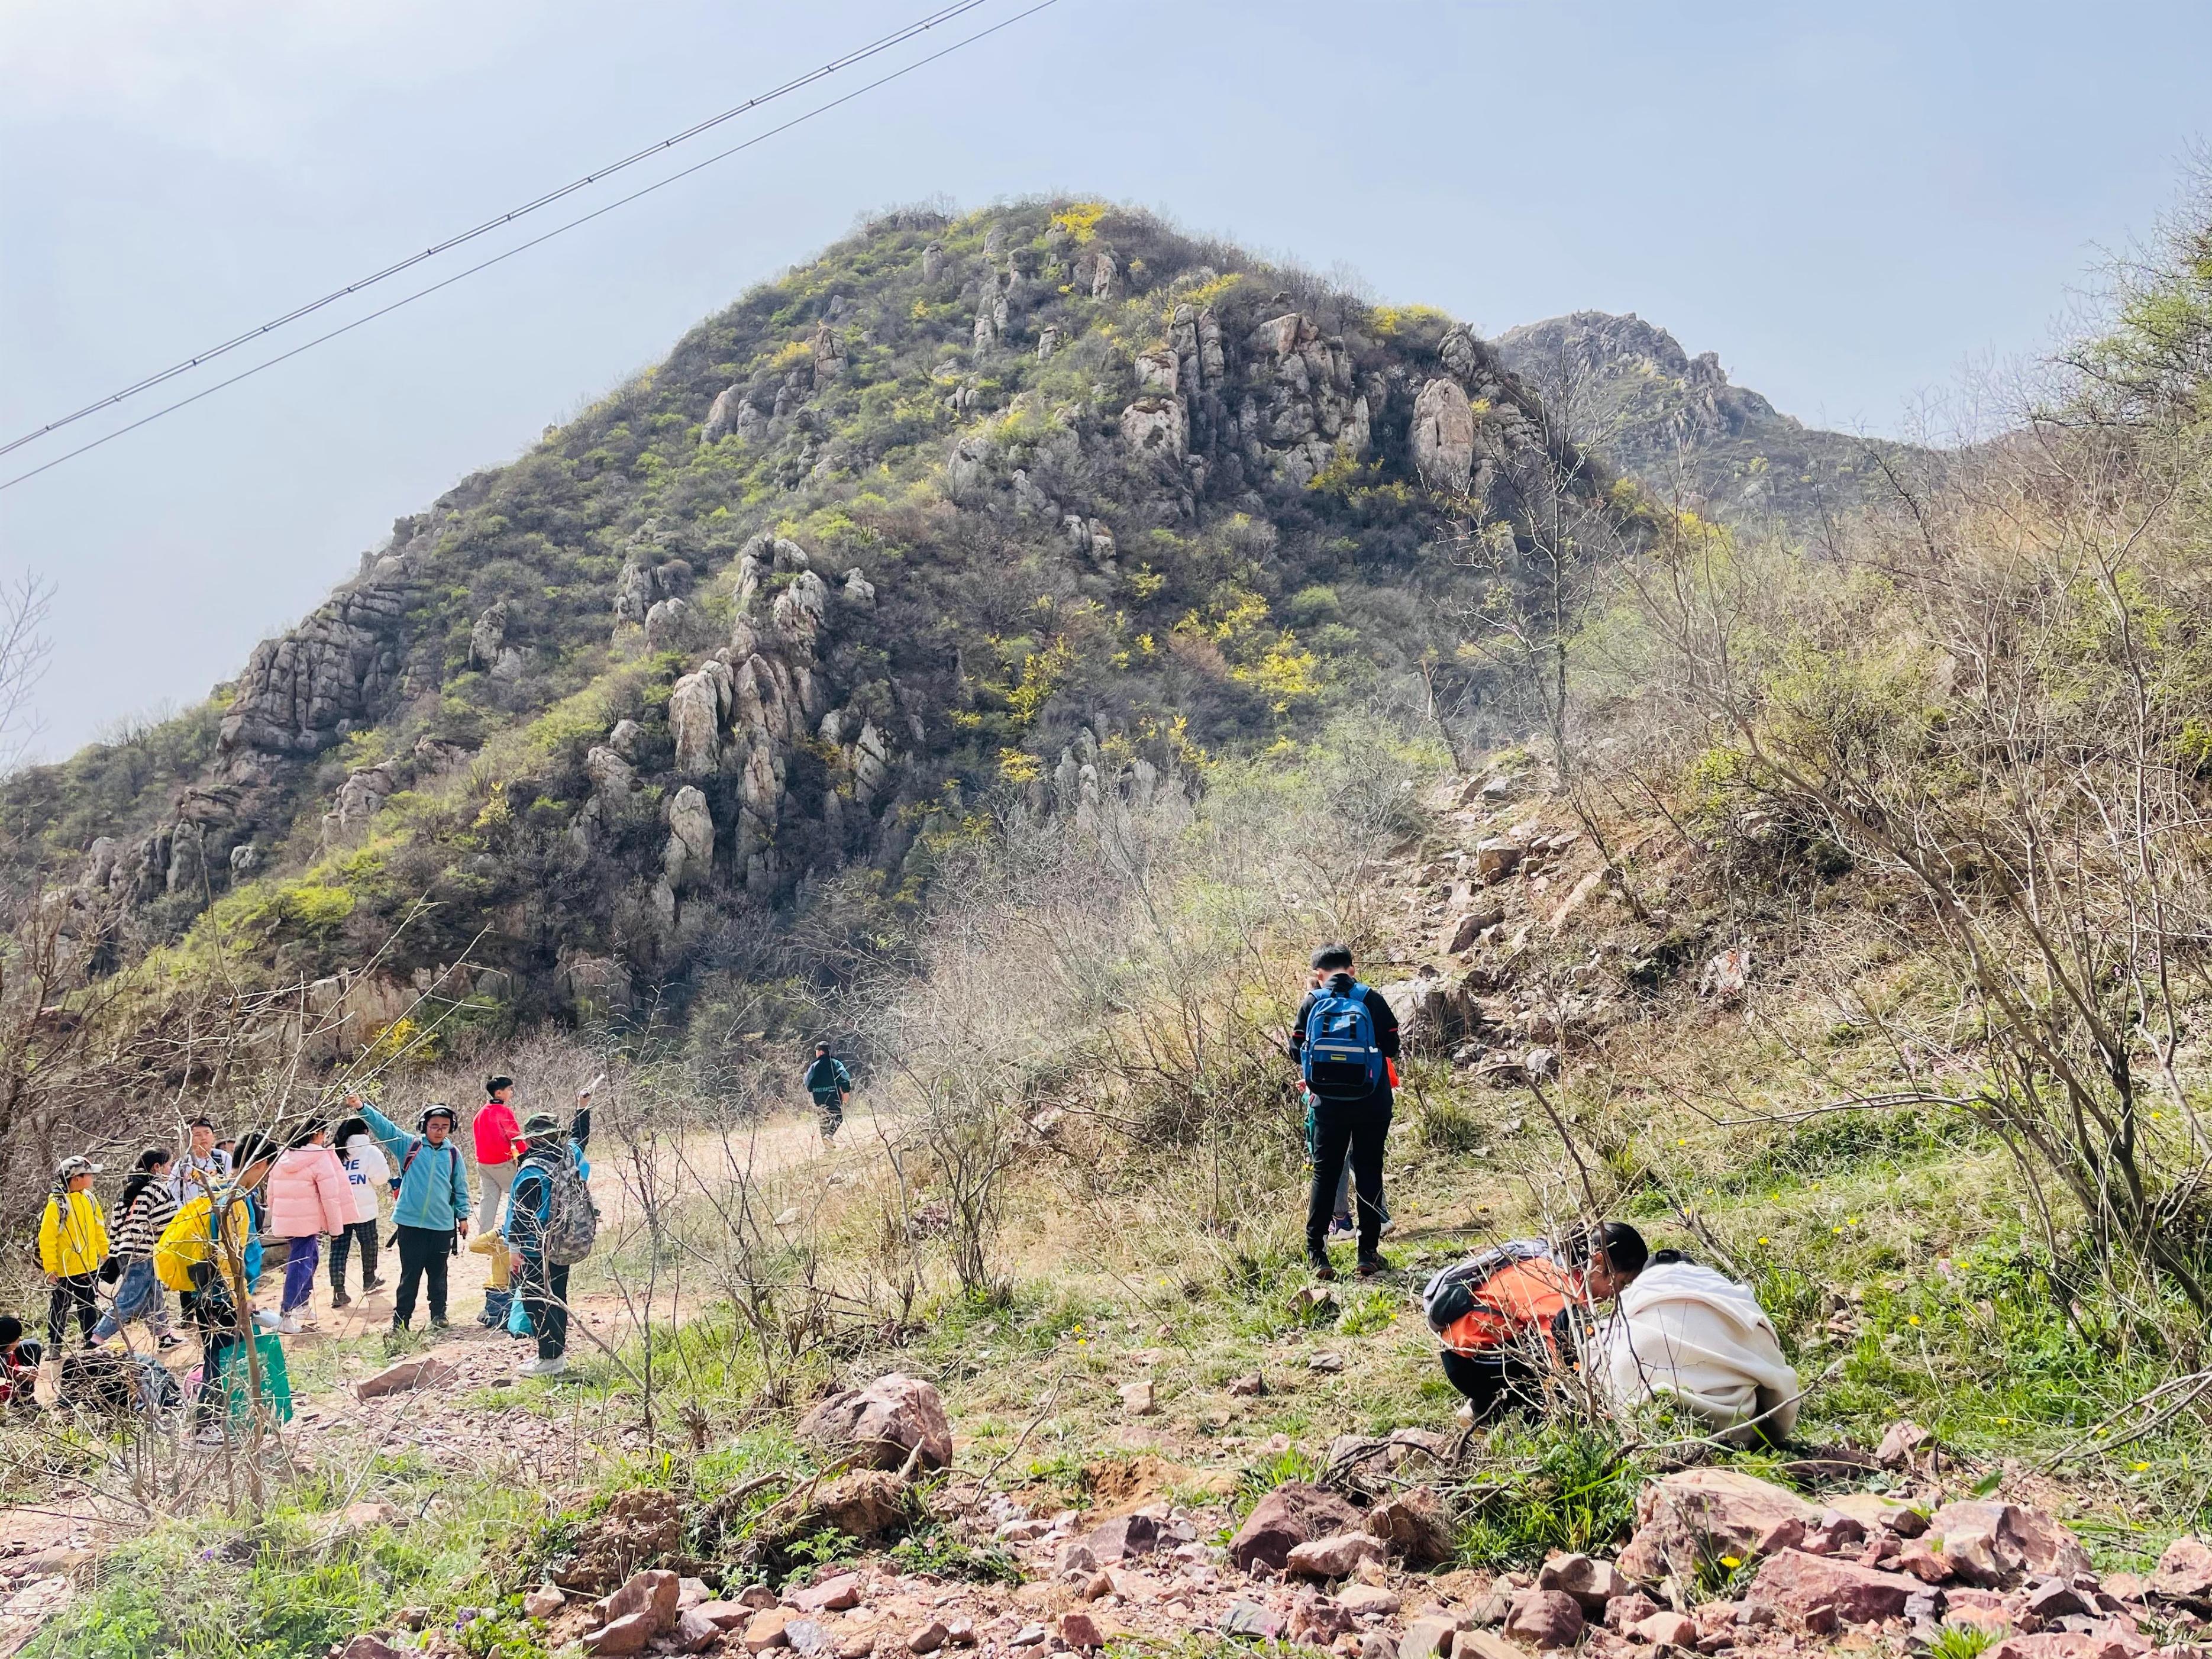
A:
423, 1373
1800, 1585
1429, 1636
1993, 1543
1471, 927
1361, 1600
1326, 1362
1292, 1514
1247, 1386
1484, 1644
1335, 1556
1119, 1539
544, 1601
1138, 1398
1496, 858
1027, 1637
723, 1615
1250, 1618
885, 1421
655, 1592
2184, 1571
765, 1629
694, 1631
831, 1595
367, 1645
631, 1633
1669, 1630
1625, 1613
928, 1638
1545, 1619
1899, 1442
1703, 1514
864, 1504
1079, 1630
1929, 1566
1592, 1584
2068, 1644
1873, 1510
1412, 1524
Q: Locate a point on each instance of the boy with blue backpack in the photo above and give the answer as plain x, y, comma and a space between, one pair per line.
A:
550, 1226
1345, 1040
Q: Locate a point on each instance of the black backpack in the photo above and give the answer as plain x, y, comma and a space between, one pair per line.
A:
112, 1385
1454, 1292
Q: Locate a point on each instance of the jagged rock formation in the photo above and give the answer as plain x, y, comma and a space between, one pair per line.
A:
1626, 388
1017, 503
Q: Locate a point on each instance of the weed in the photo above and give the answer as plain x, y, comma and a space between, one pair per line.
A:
1562, 1486
934, 1550
1961, 1642
1373, 1312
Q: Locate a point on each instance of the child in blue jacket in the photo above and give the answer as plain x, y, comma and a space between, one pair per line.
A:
432, 1214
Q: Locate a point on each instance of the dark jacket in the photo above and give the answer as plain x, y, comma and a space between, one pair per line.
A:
1378, 1010
827, 1076
530, 1204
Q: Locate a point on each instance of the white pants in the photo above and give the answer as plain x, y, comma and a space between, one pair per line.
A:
498, 1182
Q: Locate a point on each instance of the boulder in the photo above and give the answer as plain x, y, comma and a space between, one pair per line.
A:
1119, 1539
1496, 858
2184, 1571
1876, 1513
1443, 437
1993, 1543
1625, 1613
1470, 927
1158, 426
688, 858
884, 1422
1800, 1585
927, 1639
1293, 1514
1700, 1514
865, 1504
832, 1595
2070, 1644
1545, 1619
724, 1615
1929, 1566
631, 1633
1137, 1398
1592, 1584
1338, 1555
367, 1645
663, 623
1363, 1601
1413, 1524
656, 1592
765, 1629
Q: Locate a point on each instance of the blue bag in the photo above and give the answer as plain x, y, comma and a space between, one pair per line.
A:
1340, 1060
518, 1316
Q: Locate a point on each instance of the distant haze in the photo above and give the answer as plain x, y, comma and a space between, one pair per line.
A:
1846, 206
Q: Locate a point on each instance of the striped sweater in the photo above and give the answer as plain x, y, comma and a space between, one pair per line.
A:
138, 1224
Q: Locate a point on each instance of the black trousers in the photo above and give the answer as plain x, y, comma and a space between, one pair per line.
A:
545, 1299
1496, 1382
423, 1253
216, 1321
832, 1107
78, 1290
341, 1246
1354, 1129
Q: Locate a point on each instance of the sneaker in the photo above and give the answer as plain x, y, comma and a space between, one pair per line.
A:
210, 1436
1341, 1226
1322, 1270
268, 1319
553, 1367
340, 1299
167, 1340
288, 1326
1372, 1264
439, 1322
369, 1284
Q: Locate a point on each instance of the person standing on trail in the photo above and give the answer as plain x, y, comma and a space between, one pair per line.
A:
543, 1284
72, 1245
366, 1172
831, 1086
224, 1260
142, 1211
432, 1212
1344, 1041
202, 1167
309, 1196
495, 1133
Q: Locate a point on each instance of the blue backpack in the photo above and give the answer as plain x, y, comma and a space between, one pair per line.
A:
1340, 1060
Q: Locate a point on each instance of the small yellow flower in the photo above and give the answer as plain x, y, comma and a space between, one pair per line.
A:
1835, 1230
1912, 1319
1761, 1240
1730, 1562
1679, 1143
2139, 1467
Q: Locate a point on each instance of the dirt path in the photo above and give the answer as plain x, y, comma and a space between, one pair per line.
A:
549, 1435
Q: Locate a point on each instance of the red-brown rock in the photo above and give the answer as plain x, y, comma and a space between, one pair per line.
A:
1625, 1613
2184, 1571
1592, 1584
1293, 1514
368, 1645
724, 1615
1413, 1524
1929, 1566
1545, 1619
2060, 1644
831, 1595
1124, 1536
1079, 1630
1338, 1555
1991, 1543
1669, 1630
694, 1634
1700, 1514
655, 1592
1801, 1585
884, 1422
630, 1633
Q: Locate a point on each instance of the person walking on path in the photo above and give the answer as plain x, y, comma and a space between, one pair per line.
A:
431, 1210
309, 1196
143, 1209
542, 1285
366, 1172
1345, 1040
72, 1245
831, 1086
202, 1167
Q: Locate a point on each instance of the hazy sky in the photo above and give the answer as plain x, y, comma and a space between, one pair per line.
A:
1847, 203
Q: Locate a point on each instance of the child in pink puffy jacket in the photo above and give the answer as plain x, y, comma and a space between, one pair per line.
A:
308, 1195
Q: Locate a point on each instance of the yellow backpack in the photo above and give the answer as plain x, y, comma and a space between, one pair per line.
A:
187, 1241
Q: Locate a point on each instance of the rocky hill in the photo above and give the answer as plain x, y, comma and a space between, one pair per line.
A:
1034, 507
1626, 388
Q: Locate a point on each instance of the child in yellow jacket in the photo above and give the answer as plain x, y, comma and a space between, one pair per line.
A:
72, 1245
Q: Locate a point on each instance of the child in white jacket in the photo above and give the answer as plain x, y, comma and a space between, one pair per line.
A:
368, 1172
1683, 1329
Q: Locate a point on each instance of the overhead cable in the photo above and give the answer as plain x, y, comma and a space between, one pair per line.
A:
874, 48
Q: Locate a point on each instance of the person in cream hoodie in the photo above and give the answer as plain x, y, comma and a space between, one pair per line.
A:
1682, 1328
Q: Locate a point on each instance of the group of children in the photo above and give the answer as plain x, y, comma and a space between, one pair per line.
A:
211, 1220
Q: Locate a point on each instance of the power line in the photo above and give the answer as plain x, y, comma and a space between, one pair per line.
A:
524, 247
874, 48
